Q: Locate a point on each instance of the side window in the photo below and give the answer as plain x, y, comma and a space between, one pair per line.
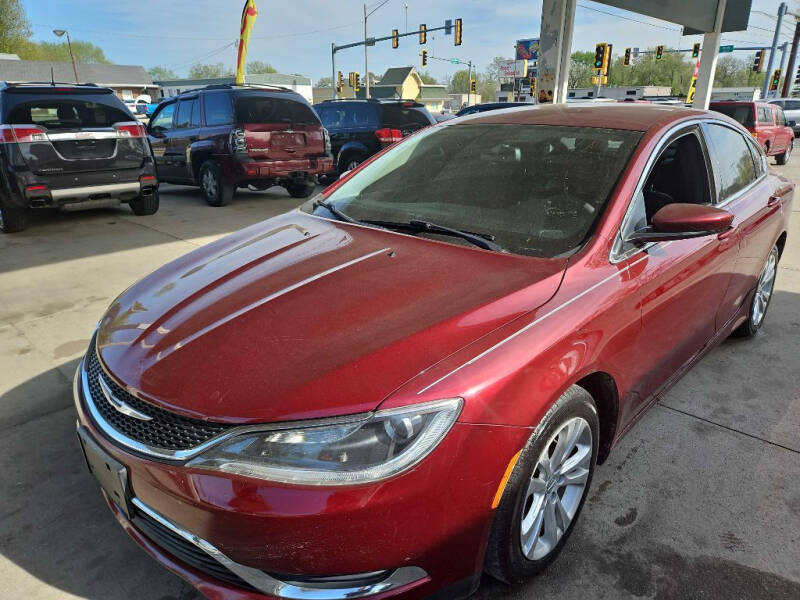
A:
759, 158
184, 114
163, 119
764, 116
732, 159
679, 174
791, 105
194, 120
781, 116
218, 109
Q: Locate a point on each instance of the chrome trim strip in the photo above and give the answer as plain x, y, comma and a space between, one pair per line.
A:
182, 455
90, 190
84, 135
282, 589
119, 405
531, 324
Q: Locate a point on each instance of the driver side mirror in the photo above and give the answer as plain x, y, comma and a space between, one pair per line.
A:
791, 123
680, 221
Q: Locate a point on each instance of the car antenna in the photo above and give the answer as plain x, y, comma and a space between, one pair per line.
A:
52, 77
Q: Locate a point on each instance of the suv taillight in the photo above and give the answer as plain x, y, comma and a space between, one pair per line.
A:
129, 130
389, 136
238, 141
22, 133
327, 137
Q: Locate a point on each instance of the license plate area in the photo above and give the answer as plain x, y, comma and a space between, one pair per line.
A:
110, 473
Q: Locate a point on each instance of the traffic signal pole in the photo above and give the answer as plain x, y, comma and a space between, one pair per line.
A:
782, 9
787, 82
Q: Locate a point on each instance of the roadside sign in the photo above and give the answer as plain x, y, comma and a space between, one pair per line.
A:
726, 48
455, 61
513, 68
527, 49
371, 41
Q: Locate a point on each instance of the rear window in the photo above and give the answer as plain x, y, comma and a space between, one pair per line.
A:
397, 116
738, 112
66, 113
266, 109
348, 115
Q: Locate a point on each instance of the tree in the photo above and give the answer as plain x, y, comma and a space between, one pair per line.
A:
84, 52
15, 29
161, 73
459, 82
257, 67
324, 82
427, 78
203, 71
673, 71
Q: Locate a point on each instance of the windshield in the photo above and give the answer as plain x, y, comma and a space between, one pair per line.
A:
743, 113
537, 188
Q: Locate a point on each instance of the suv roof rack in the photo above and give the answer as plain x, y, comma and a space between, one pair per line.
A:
231, 86
7, 84
407, 102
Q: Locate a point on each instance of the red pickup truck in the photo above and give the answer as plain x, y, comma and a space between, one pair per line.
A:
766, 122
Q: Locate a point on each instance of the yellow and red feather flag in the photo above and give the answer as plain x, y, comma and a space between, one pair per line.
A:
249, 14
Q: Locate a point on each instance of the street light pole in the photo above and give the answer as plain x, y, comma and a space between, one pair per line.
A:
782, 9
366, 43
59, 33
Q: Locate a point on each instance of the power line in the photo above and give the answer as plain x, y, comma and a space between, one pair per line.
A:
629, 18
203, 57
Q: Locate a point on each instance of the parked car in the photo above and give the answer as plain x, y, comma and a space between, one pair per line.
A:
791, 110
479, 108
70, 147
442, 116
409, 379
360, 128
223, 137
766, 122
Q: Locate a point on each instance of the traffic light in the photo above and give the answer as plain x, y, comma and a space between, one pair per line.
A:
395, 38
599, 55
457, 40
339, 82
424, 57
797, 77
531, 82
659, 52
423, 34
627, 60
473, 86
696, 50
776, 79
758, 63
351, 79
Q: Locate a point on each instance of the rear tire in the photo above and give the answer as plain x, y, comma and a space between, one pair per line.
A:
349, 162
12, 219
145, 205
215, 190
301, 190
546, 491
782, 159
762, 296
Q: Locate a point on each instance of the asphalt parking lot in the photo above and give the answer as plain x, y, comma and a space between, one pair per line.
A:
700, 500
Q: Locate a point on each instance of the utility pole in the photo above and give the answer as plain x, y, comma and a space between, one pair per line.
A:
782, 9
406, 7
333, 71
787, 82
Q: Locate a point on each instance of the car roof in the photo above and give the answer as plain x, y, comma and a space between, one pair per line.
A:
616, 115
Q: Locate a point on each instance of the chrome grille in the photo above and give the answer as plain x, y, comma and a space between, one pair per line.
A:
166, 430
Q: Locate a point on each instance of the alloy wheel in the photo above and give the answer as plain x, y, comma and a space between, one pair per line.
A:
209, 184
766, 283
352, 164
556, 488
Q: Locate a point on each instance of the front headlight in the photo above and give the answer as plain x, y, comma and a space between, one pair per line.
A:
348, 452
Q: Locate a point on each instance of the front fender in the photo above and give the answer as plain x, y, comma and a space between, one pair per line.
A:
349, 147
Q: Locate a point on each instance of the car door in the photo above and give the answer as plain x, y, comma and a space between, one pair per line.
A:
159, 131
187, 125
681, 283
766, 130
740, 169
782, 127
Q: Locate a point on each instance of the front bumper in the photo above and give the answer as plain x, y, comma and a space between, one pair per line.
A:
427, 527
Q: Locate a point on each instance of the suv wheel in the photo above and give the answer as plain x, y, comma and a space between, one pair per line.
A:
350, 162
300, 190
12, 219
145, 204
782, 159
215, 190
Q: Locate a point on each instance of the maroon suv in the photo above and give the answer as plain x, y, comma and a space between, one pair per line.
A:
222, 137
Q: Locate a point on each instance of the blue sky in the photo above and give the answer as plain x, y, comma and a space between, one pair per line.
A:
296, 37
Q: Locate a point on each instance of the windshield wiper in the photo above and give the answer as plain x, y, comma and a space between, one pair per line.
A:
336, 212
482, 240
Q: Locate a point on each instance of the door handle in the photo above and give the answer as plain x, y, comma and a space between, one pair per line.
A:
774, 200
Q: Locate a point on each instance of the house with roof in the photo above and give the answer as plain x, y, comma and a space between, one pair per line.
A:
404, 83
128, 81
298, 83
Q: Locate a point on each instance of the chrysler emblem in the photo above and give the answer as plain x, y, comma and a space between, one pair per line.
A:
120, 406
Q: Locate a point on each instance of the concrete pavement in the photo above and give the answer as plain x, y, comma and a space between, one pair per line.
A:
700, 500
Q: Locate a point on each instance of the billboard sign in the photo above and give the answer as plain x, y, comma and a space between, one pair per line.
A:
528, 49
513, 68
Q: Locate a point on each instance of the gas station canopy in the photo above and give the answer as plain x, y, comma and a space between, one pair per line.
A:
696, 16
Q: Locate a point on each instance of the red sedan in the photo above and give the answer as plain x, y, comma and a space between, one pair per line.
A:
410, 379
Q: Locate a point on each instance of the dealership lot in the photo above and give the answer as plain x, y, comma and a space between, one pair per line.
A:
700, 500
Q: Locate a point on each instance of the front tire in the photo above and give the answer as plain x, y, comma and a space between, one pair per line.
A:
215, 190
762, 296
546, 491
782, 159
145, 204
12, 218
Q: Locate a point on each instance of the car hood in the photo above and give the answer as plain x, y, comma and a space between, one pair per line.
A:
302, 317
